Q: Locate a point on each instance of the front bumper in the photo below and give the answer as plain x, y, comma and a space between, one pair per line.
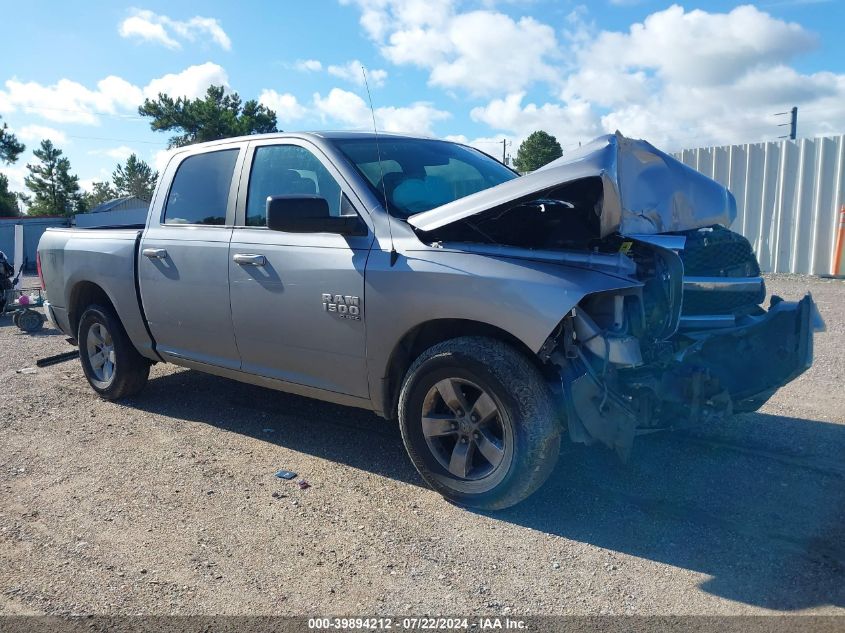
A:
702, 374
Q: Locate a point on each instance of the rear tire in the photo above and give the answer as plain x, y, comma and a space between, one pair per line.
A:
112, 365
479, 423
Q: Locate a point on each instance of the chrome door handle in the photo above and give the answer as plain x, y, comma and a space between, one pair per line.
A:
246, 259
155, 253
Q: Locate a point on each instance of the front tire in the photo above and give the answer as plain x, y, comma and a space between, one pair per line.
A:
478, 421
112, 365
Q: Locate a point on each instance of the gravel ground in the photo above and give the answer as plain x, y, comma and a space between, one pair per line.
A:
167, 503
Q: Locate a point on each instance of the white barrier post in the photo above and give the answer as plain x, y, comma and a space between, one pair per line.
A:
18, 250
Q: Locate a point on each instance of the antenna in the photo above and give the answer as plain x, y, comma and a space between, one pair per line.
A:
393, 254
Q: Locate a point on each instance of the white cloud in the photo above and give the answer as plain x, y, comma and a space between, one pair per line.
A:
482, 52
103, 175
308, 65
570, 123
491, 145
120, 153
145, 29
350, 110
160, 158
191, 82
351, 71
286, 106
683, 78
151, 27
492, 53
16, 177
37, 133
678, 78
69, 101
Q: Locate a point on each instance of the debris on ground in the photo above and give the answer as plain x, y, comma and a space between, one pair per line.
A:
58, 358
285, 474
303, 485
28, 370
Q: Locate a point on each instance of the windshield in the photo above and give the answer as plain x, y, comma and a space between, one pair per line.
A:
420, 174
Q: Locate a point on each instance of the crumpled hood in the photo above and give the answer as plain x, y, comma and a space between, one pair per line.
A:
645, 191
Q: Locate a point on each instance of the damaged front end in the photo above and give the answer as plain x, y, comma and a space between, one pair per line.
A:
622, 376
686, 339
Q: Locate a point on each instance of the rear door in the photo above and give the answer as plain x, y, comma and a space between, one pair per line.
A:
184, 259
298, 298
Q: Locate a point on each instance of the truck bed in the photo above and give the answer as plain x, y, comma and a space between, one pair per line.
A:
76, 259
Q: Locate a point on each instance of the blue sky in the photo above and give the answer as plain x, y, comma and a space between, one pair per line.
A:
680, 75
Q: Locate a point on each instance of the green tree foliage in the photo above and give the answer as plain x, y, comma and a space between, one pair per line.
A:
100, 192
8, 200
540, 148
135, 178
10, 147
217, 115
55, 190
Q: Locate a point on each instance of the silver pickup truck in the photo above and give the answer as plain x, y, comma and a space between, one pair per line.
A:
601, 296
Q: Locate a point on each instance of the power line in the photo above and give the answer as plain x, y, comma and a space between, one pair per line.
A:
116, 140
88, 112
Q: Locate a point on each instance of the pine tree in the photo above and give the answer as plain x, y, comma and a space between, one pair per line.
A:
8, 200
100, 192
10, 147
217, 115
136, 178
55, 190
540, 148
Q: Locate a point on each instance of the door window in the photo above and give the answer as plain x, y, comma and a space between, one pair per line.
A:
289, 170
200, 190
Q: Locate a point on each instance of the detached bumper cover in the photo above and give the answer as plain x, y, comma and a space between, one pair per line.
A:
712, 373
762, 353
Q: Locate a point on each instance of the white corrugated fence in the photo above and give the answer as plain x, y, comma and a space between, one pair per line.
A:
788, 196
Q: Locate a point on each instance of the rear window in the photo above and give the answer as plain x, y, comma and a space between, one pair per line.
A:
200, 190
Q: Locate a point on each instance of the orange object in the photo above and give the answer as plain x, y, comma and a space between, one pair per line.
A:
838, 263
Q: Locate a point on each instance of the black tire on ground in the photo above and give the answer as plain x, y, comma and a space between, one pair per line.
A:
471, 456
29, 321
124, 371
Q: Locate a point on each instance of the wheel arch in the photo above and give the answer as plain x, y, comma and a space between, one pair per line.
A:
82, 295
427, 334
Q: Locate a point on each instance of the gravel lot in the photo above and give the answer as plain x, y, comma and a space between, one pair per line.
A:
167, 504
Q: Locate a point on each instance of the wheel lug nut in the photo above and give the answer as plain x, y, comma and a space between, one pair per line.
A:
464, 440
454, 425
476, 435
474, 418
460, 412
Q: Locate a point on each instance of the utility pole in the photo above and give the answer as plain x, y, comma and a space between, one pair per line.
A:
504, 151
793, 123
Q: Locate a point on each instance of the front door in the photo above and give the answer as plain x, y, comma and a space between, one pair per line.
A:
184, 262
298, 298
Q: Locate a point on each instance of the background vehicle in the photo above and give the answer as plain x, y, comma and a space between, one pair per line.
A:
424, 280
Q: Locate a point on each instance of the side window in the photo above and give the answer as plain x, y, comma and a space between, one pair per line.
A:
279, 170
200, 190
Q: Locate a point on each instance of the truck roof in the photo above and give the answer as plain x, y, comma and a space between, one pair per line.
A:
330, 135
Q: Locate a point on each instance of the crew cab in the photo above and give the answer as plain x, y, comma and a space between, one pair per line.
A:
601, 297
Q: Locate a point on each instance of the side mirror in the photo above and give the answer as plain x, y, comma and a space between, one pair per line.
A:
309, 214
